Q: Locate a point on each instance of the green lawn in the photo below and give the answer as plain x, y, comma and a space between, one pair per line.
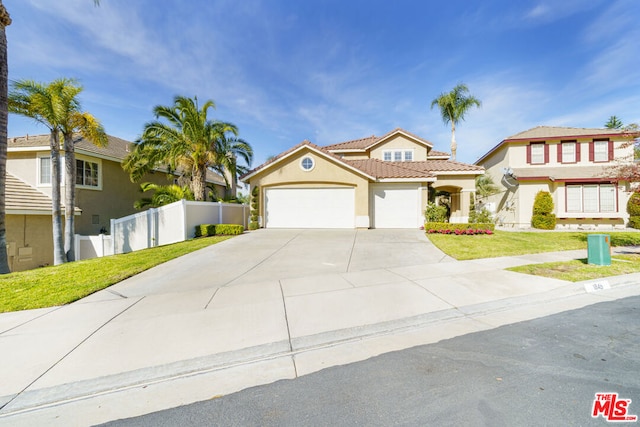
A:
57, 285
507, 243
578, 269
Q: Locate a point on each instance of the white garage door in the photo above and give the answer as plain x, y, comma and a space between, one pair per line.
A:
396, 206
310, 208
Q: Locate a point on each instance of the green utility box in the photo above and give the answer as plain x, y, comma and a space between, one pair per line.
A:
599, 249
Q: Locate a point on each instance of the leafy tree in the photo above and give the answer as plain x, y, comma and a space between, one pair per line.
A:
485, 186
56, 106
436, 213
163, 195
229, 149
185, 140
453, 107
613, 123
5, 21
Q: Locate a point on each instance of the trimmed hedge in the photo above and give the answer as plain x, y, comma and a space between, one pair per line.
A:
442, 227
633, 208
204, 230
634, 222
543, 217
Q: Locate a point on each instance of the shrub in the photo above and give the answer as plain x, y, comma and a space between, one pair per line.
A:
481, 216
543, 216
434, 213
204, 230
633, 205
253, 225
255, 209
449, 228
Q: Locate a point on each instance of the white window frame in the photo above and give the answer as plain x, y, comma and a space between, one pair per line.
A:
40, 158
401, 154
98, 163
590, 198
302, 161
604, 152
569, 155
534, 154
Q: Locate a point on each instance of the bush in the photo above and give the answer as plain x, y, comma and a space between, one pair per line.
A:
482, 216
204, 230
253, 225
633, 205
434, 213
255, 209
543, 216
449, 228
634, 222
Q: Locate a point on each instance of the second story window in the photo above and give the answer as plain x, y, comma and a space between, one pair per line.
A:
601, 151
45, 170
397, 155
87, 173
570, 152
537, 154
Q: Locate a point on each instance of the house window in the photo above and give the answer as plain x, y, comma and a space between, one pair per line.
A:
397, 155
537, 154
306, 164
600, 151
591, 198
45, 170
86, 173
569, 152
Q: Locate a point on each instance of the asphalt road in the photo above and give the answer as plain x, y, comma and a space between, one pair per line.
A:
540, 372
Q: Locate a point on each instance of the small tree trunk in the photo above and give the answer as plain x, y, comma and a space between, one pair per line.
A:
199, 183
56, 212
454, 146
5, 20
70, 197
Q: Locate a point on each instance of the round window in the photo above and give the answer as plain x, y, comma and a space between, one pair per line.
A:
306, 163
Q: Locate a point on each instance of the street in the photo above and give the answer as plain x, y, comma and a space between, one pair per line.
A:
540, 372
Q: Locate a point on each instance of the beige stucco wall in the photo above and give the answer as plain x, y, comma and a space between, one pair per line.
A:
29, 241
326, 173
400, 142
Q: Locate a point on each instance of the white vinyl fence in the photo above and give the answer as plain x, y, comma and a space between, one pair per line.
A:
172, 223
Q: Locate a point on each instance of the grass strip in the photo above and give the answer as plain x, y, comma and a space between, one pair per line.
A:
63, 284
578, 270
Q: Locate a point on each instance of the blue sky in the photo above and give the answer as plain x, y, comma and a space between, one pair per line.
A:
331, 71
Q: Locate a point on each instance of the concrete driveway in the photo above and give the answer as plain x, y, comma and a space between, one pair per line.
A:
275, 254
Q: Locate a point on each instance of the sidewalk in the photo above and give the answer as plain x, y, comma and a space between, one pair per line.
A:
139, 354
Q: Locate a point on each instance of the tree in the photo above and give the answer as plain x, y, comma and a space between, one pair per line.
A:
230, 148
454, 106
5, 21
56, 106
186, 141
163, 195
485, 186
543, 216
613, 123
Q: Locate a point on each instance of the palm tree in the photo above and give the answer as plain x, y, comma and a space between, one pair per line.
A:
163, 195
5, 21
186, 141
613, 123
55, 105
230, 148
453, 107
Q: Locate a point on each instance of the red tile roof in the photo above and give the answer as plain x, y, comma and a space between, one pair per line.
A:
443, 166
385, 170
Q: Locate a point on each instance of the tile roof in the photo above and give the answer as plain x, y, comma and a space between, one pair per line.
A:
386, 170
443, 166
364, 143
434, 153
563, 132
20, 196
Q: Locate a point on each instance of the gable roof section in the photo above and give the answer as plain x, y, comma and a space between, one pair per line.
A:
366, 144
541, 133
304, 144
21, 198
443, 167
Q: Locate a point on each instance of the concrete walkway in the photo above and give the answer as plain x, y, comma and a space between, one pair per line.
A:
268, 305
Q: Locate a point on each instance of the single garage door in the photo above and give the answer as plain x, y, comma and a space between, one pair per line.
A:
310, 208
396, 206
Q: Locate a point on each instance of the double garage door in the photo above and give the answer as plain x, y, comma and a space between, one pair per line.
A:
392, 206
310, 207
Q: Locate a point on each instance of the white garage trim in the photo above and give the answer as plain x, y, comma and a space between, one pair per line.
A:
396, 206
310, 207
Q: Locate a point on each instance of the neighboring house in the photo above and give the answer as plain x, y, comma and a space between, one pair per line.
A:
103, 191
375, 182
573, 164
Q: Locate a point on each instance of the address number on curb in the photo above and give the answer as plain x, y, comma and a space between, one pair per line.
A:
597, 286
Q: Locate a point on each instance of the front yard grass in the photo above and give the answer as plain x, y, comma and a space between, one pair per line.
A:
508, 243
63, 284
578, 269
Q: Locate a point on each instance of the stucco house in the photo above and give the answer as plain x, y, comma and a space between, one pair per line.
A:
373, 182
573, 164
103, 191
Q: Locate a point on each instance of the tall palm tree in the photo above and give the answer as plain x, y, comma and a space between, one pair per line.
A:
613, 123
185, 141
453, 107
55, 105
5, 21
230, 148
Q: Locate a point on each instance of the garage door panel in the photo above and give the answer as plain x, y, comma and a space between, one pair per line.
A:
396, 206
310, 208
